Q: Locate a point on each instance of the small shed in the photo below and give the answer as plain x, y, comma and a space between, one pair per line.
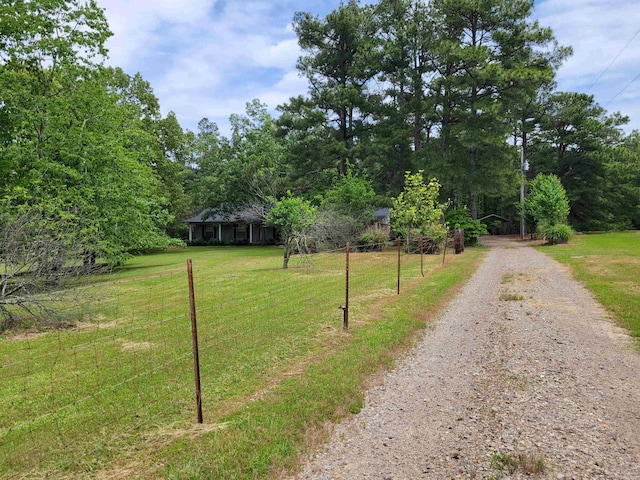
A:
382, 220
497, 225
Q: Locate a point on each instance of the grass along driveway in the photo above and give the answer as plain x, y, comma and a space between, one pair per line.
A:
114, 396
609, 265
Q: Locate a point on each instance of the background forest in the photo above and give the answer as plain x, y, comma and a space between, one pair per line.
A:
462, 90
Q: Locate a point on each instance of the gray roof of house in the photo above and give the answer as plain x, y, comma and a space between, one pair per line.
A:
381, 214
209, 216
250, 216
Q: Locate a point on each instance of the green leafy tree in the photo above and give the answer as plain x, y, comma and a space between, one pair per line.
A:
483, 50
575, 142
292, 217
622, 173
405, 119
169, 149
337, 62
173, 154
351, 194
73, 143
244, 171
416, 211
548, 206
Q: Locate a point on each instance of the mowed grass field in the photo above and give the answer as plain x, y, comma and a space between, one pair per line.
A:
114, 397
609, 265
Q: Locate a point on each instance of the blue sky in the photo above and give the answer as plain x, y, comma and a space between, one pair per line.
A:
207, 58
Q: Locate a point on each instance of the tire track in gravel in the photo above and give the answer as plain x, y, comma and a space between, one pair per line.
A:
523, 364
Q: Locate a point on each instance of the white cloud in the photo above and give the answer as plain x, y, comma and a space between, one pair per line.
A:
279, 55
209, 57
135, 24
598, 31
290, 85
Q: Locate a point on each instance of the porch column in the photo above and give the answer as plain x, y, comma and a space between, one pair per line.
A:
250, 233
219, 232
190, 233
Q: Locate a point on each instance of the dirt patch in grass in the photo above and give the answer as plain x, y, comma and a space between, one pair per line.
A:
135, 346
23, 335
99, 326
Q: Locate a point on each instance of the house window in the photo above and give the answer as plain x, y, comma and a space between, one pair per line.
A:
240, 232
210, 231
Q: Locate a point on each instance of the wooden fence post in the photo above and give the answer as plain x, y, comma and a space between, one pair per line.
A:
458, 240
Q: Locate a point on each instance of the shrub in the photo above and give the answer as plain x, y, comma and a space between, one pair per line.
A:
547, 202
461, 218
373, 238
333, 229
176, 242
416, 211
556, 234
197, 242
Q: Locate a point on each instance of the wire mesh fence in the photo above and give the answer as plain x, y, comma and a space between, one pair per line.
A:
109, 389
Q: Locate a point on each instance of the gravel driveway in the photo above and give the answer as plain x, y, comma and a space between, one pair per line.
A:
523, 372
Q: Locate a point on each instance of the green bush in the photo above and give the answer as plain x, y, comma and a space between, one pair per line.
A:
176, 242
547, 204
461, 218
556, 234
197, 242
430, 242
373, 238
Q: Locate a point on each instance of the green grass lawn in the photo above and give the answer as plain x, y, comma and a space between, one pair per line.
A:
113, 397
609, 266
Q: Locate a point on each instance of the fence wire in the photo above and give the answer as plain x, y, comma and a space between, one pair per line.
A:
86, 398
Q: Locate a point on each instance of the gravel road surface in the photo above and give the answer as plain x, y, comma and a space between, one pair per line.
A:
523, 376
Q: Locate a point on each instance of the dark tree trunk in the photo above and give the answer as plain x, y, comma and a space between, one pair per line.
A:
473, 194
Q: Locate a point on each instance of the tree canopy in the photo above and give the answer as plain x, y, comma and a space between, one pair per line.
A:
461, 91
416, 210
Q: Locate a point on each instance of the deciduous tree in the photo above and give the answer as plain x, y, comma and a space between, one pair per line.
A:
416, 212
292, 216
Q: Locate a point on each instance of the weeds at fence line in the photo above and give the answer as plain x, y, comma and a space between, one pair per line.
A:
105, 392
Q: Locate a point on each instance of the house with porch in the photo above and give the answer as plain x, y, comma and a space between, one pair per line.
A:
244, 227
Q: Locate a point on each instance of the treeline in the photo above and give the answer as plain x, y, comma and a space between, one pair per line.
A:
462, 90
83, 147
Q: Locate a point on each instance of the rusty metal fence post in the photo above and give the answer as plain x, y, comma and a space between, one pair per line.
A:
422, 256
194, 336
399, 253
345, 308
446, 240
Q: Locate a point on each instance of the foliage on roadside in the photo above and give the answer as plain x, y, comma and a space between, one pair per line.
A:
416, 212
373, 238
293, 217
547, 205
461, 218
556, 234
